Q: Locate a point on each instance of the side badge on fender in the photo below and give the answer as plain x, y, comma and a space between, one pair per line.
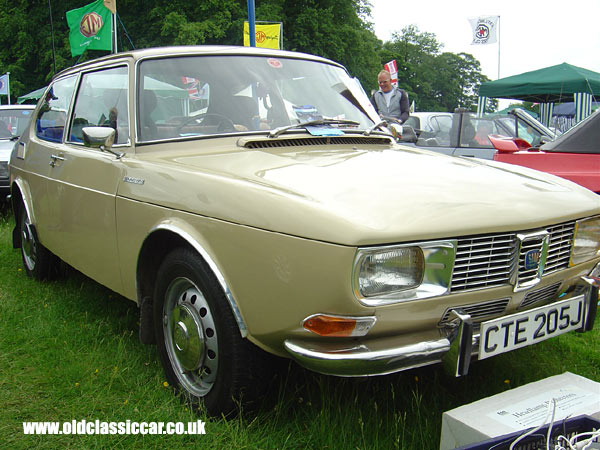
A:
134, 180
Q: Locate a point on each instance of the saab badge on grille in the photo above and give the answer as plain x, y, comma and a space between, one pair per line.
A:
533, 252
532, 259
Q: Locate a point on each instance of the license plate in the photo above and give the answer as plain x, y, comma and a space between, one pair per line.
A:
530, 327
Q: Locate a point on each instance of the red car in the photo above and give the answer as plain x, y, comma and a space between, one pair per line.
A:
575, 155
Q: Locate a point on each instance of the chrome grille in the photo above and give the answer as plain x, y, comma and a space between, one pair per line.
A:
480, 311
338, 140
540, 295
483, 261
491, 260
3, 169
559, 251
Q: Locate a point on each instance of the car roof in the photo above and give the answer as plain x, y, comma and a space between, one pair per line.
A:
194, 50
582, 138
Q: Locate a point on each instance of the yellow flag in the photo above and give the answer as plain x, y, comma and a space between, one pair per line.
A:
267, 35
111, 5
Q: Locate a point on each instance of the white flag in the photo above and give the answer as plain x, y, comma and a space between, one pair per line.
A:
485, 29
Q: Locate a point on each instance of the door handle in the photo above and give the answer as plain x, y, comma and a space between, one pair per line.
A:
55, 158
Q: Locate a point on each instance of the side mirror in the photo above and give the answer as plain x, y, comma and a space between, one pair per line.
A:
508, 145
102, 138
98, 137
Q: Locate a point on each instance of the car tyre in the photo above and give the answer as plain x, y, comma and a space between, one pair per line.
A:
199, 343
38, 261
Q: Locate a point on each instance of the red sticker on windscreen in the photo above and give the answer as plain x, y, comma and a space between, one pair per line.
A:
275, 63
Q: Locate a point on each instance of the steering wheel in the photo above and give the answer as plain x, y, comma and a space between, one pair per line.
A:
224, 123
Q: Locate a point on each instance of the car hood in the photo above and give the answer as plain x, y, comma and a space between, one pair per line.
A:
362, 196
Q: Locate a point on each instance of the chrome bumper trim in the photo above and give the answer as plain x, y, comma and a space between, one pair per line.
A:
354, 359
358, 360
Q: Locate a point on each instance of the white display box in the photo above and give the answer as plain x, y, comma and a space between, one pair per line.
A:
519, 409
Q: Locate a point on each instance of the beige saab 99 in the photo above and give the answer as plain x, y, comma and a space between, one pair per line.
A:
250, 201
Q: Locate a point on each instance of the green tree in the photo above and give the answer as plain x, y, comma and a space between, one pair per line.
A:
340, 30
436, 81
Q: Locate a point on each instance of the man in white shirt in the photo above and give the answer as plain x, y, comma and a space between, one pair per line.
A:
390, 101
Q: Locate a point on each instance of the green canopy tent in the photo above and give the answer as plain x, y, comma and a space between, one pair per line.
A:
157, 86
34, 95
549, 85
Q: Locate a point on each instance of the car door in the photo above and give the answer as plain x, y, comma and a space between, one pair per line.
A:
39, 148
472, 138
435, 133
83, 181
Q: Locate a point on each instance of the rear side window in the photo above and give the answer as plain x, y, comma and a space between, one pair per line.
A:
51, 118
528, 133
102, 102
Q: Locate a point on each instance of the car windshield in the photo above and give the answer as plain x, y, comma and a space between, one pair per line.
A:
13, 122
208, 95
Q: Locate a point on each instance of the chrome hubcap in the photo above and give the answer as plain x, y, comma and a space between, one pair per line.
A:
28, 245
190, 337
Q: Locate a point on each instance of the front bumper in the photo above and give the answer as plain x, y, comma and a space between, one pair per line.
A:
386, 356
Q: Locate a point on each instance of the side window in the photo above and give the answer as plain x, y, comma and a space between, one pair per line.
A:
102, 102
442, 126
51, 118
528, 133
483, 128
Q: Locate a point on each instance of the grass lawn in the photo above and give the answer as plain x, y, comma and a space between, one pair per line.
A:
69, 350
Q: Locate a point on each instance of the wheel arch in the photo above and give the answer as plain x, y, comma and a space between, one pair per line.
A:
20, 198
161, 240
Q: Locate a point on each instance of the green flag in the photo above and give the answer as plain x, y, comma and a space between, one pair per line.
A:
90, 28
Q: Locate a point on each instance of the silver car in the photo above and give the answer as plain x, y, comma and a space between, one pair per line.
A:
13, 120
463, 134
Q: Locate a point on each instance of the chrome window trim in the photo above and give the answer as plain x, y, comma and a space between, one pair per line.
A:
67, 128
80, 74
227, 51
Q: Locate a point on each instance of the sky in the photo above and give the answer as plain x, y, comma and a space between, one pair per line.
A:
533, 34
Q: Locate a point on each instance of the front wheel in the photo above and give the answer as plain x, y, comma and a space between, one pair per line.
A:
202, 352
38, 261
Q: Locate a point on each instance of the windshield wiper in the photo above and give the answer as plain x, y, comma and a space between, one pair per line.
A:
14, 138
278, 131
384, 123
368, 131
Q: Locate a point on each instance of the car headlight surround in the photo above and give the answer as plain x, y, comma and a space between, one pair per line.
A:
398, 273
586, 240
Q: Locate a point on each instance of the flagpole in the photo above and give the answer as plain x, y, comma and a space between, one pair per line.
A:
52, 33
251, 23
498, 47
114, 32
8, 86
